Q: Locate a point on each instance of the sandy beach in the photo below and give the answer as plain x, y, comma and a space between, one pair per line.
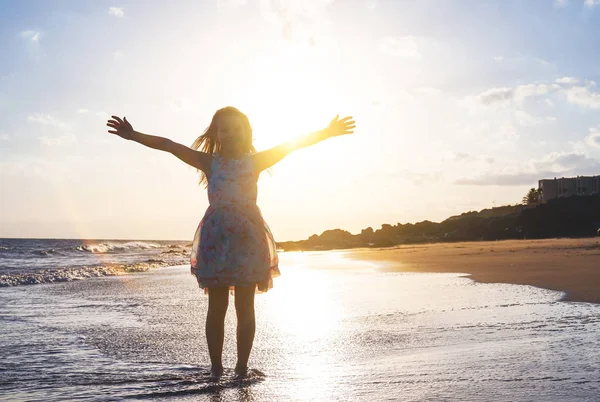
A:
568, 265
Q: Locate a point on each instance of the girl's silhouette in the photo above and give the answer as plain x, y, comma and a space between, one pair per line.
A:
233, 248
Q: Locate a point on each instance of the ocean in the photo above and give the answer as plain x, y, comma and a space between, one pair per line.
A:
331, 329
35, 261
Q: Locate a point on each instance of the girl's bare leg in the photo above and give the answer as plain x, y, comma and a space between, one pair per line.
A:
246, 325
218, 300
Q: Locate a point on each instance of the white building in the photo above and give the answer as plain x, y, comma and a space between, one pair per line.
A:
568, 186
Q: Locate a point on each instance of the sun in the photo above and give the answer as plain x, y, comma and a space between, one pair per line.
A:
288, 91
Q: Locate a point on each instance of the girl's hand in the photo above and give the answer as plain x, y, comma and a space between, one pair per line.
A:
340, 127
122, 128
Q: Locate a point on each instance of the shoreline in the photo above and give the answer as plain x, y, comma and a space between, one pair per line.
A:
567, 265
70, 274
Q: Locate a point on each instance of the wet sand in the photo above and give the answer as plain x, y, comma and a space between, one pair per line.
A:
567, 265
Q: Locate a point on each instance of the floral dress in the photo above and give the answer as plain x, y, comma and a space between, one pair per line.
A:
233, 245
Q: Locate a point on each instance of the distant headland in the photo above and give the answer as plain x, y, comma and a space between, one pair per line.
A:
574, 216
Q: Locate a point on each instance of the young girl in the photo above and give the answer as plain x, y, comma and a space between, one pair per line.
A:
233, 248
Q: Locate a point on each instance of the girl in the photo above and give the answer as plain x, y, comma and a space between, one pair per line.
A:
233, 248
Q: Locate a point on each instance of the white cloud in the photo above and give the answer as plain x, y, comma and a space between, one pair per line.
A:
583, 96
82, 111
500, 179
567, 80
591, 3
46, 119
117, 55
507, 95
593, 139
33, 36
4, 137
496, 95
558, 162
118, 12
532, 90
528, 173
498, 58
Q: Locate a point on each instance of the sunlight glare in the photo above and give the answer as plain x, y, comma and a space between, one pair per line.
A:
290, 91
302, 303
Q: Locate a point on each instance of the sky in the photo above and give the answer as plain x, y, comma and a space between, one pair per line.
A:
459, 106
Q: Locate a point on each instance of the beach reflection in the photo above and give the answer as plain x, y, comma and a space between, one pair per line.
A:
304, 315
302, 304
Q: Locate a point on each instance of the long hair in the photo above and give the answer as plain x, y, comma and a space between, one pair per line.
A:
209, 143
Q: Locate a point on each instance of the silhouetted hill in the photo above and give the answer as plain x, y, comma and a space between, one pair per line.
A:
577, 216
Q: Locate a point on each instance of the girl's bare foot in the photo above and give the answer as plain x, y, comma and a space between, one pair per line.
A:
241, 371
216, 371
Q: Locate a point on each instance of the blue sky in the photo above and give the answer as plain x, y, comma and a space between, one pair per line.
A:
460, 105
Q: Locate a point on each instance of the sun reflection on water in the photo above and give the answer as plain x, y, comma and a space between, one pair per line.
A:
312, 315
302, 302
307, 320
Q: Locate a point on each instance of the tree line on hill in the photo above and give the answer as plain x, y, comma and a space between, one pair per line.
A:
576, 216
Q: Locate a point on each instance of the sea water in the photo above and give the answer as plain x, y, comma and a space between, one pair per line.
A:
331, 329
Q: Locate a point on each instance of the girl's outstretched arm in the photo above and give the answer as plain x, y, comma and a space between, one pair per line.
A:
197, 159
265, 159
